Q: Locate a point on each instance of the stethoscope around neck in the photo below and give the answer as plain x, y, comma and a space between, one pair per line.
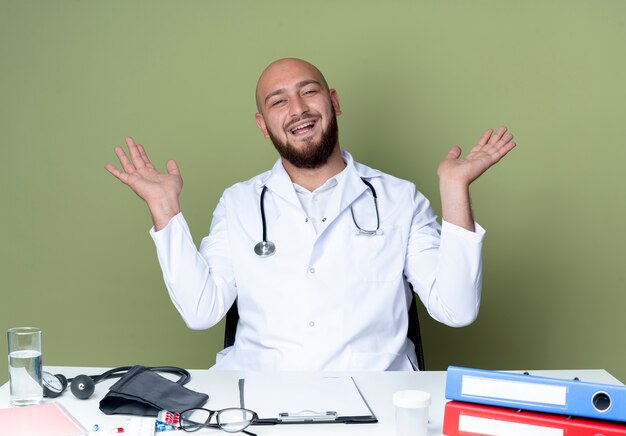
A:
267, 248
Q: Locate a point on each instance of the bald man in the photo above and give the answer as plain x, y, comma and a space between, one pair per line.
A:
318, 249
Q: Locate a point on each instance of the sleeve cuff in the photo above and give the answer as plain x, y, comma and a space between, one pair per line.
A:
178, 218
477, 235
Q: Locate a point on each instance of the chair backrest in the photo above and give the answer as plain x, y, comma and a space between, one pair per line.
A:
230, 329
413, 332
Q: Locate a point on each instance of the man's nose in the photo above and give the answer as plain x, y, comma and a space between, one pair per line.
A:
298, 106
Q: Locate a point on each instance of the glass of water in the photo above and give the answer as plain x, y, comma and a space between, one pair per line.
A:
25, 365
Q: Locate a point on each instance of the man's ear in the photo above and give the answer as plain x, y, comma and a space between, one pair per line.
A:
334, 99
260, 122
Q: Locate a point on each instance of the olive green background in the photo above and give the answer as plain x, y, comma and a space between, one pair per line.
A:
414, 77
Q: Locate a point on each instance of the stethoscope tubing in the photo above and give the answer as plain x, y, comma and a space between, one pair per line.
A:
122, 370
263, 213
267, 248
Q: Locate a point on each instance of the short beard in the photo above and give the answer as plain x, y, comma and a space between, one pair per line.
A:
314, 155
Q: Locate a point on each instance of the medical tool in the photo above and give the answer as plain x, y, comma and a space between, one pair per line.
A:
82, 386
267, 248
264, 248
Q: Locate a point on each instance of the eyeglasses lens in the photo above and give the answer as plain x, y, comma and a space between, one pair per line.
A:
234, 420
195, 419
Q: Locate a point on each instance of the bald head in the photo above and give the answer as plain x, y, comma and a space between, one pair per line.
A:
280, 73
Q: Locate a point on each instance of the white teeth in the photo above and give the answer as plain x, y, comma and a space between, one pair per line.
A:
302, 126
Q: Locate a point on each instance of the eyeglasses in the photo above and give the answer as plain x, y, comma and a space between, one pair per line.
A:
231, 420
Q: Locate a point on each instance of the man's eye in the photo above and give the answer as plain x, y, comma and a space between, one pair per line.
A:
310, 91
277, 102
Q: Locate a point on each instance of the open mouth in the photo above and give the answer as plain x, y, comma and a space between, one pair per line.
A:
303, 128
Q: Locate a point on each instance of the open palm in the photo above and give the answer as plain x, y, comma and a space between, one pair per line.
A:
142, 177
491, 147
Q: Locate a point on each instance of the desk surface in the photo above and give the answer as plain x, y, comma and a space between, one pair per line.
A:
222, 388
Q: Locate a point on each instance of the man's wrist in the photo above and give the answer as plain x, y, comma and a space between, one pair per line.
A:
455, 203
162, 212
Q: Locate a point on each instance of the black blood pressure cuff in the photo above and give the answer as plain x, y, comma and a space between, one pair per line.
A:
143, 392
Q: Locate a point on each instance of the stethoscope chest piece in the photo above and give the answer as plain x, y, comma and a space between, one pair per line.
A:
265, 249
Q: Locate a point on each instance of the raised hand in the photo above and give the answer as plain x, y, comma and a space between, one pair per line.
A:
456, 174
491, 147
159, 190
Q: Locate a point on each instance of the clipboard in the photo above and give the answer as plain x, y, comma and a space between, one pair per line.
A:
304, 399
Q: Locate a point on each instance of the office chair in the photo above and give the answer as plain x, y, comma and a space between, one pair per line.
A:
413, 331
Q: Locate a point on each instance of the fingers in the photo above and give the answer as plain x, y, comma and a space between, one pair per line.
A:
454, 152
501, 148
138, 156
506, 148
491, 137
498, 143
497, 136
172, 168
138, 159
126, 163
144, 156
505, 143
483, 139
122, 176
135, 155
493, 145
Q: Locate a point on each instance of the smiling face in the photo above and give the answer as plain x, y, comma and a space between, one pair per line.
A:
298, 112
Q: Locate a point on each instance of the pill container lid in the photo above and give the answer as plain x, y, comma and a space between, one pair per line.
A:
411, 399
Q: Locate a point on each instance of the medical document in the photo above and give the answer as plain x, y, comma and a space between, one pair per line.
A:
304, 398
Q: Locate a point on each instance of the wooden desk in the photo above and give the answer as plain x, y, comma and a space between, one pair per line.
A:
222, 388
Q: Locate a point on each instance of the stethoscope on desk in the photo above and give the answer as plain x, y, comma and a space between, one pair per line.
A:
266, 248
